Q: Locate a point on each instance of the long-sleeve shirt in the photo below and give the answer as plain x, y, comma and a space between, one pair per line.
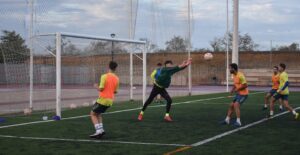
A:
164, 79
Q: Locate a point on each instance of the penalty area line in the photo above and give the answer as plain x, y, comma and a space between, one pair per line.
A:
91, 141
119, 111
205, 141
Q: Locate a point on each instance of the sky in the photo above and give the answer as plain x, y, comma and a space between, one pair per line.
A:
158, 20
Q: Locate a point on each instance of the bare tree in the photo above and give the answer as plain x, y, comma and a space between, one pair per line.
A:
292, 47
246, 43
176, 44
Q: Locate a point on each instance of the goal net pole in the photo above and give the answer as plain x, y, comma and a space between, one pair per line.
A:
31, 55
58, 74
58, 41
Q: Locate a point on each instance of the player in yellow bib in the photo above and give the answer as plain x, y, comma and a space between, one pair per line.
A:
275, 86
109, 84
282, 92
240, 88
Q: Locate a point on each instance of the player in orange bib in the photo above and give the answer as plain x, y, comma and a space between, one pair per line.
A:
282, 92
275, 86
240, 88
109, 84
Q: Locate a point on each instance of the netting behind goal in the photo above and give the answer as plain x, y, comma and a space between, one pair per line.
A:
83, 60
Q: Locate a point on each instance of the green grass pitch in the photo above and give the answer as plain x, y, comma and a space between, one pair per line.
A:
196, 118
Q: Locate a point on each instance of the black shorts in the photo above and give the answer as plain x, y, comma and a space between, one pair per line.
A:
99, 108
280, 96
272, 92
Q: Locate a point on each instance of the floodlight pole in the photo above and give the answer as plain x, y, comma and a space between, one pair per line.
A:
131, 54
227, 48
58, 74
235, 42
144, 73
189, 49
31, 55
271, 50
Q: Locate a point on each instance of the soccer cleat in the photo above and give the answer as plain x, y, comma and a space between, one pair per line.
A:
97, 135
264, 108
168, 119
297, 116
269, 116
140, 118
236, 124
224, 122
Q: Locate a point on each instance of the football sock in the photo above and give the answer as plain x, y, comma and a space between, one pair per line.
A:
227, 119
294, 112
238, 120
271, 113
167, 114
265, 106
280, 107
99, 127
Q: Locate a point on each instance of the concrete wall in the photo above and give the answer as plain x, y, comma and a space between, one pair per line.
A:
87, 70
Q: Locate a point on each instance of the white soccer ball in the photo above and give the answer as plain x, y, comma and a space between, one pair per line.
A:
208, 56
27, 111
73, 106
45, 118
85, 104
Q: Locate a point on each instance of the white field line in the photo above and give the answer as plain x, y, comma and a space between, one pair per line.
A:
237, 129
119, 111
89, 141
153, 144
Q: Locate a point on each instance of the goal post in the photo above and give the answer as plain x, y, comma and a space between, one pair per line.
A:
81, 59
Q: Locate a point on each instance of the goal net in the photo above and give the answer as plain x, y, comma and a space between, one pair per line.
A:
65, 67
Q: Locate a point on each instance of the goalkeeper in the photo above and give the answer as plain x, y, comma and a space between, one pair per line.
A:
154, 76
161, 83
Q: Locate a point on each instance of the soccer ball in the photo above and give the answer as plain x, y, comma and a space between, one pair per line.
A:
27, 111
85, 104
73, 106
208, 56
45, 118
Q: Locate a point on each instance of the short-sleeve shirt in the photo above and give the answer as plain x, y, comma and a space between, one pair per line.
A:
238, 80
275, 81
109, 82
283, 78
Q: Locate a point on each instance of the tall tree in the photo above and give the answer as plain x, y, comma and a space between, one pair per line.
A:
292, 47
176, 44
13, 48
70, 49
151, 47
217, 44
99, 47
246, 43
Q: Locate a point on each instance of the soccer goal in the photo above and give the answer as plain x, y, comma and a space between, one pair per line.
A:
65, 67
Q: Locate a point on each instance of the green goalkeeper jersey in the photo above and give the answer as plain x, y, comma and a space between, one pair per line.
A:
164, 79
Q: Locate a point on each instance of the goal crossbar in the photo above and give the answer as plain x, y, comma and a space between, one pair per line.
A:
59, 35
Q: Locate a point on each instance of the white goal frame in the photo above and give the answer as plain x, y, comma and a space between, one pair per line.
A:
58, 42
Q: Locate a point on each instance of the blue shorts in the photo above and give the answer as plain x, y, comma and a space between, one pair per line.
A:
240, 98
280, 96
273, 91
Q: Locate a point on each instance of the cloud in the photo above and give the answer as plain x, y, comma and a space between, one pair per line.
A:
107, 10
264, 13
262, 19
86, 13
